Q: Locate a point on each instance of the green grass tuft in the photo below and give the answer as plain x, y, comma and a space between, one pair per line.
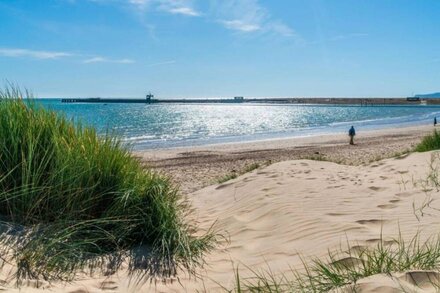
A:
429, 142
251, 167
71, 200
248, 168
345, 268
227, 177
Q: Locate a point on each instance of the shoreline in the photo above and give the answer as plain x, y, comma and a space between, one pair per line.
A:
193, 168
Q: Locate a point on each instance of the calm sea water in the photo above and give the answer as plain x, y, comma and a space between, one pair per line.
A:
158, 126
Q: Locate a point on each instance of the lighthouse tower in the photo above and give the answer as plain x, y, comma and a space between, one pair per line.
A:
150, 98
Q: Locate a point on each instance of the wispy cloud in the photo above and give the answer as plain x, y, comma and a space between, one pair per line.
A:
240, 25
338, 38
348, 36
249, 16
100, 59
242, 16
18, 52
184, 11
282, 29
162, 63
182, 7
54, 55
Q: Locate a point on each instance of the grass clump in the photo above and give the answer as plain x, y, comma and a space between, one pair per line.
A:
71, 200
227, 177
345, 268
251, 167
429, 142
248, 168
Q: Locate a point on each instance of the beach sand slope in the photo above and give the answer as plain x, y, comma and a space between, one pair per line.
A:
292, 211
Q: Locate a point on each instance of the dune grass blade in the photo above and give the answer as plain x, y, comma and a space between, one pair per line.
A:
429, 142
345, 268
75, 200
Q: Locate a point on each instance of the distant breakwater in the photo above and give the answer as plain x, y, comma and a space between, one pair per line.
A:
313, 101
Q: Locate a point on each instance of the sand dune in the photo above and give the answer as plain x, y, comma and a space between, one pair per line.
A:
299, 209
303, 208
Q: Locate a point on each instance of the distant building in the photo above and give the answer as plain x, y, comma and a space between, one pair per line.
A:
239, 99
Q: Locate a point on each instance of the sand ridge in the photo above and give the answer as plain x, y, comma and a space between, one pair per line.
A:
303, 208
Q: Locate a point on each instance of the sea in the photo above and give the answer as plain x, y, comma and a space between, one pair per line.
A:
152, 126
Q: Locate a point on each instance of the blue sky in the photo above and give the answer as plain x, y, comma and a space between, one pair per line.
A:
211, 48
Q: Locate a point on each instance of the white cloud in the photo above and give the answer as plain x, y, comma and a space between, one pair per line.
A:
182, 7
100, 59
15, 52
240, 25
183, 10
248, 16
243, 16
138, 2
52, 55
282, 29
162, 63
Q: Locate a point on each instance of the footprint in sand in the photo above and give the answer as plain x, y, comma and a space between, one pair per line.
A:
378, 240
336, 214
108, 285
347, 262
377, 188
371, 222
387, 206
358, 249
394, 200
422, 278
224, 185
262, 172
403, 194
335, 187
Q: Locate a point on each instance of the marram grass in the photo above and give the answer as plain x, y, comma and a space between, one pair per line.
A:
344, 268
429, 143
72, 201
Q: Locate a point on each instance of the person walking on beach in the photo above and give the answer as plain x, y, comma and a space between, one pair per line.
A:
351, 133
435, 121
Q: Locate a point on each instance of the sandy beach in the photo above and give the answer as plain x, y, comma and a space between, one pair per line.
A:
196, 167
296, 209
206, 146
